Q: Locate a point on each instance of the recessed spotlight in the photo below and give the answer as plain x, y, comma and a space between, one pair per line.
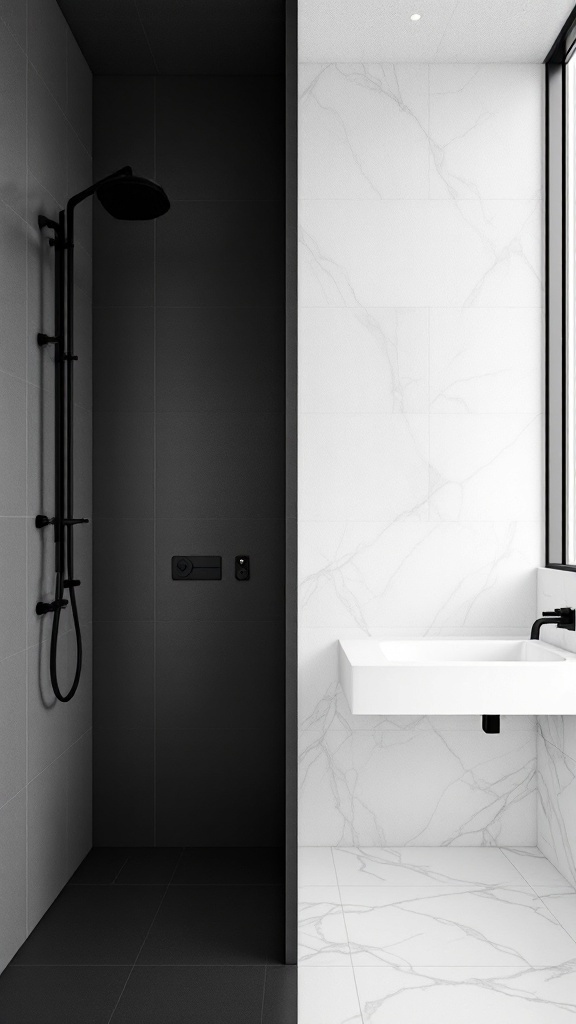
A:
415, 17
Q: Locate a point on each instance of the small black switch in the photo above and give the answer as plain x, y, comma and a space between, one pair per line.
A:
242, 567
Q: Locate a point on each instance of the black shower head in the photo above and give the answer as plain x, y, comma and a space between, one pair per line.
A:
127, 197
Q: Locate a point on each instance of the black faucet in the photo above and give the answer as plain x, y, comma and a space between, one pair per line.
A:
564, 618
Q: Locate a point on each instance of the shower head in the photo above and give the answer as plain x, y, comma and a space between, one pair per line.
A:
127, 197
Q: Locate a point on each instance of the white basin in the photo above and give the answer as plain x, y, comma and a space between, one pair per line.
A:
457, 677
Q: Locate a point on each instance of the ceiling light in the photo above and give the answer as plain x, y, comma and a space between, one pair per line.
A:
415, 17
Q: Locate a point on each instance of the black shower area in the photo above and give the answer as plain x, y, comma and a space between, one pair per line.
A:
181, 912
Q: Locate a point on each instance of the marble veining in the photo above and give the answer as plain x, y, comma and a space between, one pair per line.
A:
420, 508
435, 935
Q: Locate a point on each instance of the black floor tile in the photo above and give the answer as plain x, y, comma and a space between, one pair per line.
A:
149, 866
60, 995
192, 995
280, 996
93, 924
101, 866
235, 865
217, 925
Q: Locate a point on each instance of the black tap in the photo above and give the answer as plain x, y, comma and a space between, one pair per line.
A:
564, 618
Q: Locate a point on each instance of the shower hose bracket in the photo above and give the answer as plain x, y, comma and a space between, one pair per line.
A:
50, 606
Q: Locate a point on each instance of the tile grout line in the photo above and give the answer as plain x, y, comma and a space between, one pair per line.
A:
144, 940
346, 931
264, 994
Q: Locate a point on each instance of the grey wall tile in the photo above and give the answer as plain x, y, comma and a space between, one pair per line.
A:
12, 292
222, 154
40, 468
13, 590
123, 557
47, 36
40, 291
47, 861
53, 726
259, 599
83, 348
124, 412
13, 445
12, 877
40, 580
13, 121
79, 91
13, 14
221, 254
79, 801
47, 137
79, 176
12, 726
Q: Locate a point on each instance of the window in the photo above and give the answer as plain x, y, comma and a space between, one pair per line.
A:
561, 302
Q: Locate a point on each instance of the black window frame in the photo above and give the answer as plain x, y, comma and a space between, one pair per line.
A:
555, 303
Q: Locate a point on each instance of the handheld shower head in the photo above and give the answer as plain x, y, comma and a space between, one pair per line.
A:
127, 197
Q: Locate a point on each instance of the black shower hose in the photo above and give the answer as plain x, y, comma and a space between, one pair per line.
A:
64, 698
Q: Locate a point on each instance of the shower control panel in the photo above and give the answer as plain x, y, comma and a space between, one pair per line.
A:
196, 567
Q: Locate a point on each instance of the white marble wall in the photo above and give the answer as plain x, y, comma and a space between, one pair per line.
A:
557, 741
420, 428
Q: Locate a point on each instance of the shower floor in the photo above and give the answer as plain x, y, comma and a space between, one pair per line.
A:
158, 936
435, 936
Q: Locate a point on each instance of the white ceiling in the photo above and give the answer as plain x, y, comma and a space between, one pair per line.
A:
459, 31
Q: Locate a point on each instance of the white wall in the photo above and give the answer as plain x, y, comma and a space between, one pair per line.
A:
557, 741
420, 428
45, 748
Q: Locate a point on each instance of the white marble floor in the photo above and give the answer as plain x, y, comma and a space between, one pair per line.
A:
435, 936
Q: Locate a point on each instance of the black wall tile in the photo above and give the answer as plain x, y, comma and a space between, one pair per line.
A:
202, 802
221, 254
124, 576
189, 351
124, 124
259, 599
123, 261
219, 466
124, 787
205, 672
221, 154
124, 667
124, 411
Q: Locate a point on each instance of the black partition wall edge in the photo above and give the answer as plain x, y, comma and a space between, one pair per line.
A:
291, 481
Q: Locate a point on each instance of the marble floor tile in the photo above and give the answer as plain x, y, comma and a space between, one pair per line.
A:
534, 867
501, 926
451, 995
316, 866
322, 932
561, 901
327, 995
407, 866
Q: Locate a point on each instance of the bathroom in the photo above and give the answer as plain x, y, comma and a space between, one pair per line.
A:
287, 439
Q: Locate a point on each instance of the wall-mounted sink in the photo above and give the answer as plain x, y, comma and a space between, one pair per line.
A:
457, 677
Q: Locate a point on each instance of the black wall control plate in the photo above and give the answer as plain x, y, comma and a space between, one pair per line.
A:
196, 567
